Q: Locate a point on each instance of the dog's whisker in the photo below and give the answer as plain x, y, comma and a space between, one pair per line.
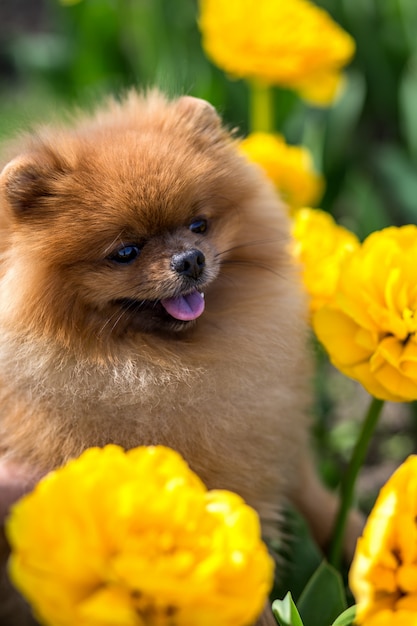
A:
244, 262
116, 317
118, 239
258, 242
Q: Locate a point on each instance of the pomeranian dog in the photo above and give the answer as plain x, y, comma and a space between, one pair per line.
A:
148, 296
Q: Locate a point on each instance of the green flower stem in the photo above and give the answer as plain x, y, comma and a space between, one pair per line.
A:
349, 480
261, 108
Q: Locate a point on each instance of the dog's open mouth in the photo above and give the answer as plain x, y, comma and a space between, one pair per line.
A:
185, 308
173, 313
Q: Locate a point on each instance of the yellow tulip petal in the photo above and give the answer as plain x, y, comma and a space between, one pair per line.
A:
333, 326
290, 168
322, 89
396, 384
408, 603
407, 580
321, 247
108, 606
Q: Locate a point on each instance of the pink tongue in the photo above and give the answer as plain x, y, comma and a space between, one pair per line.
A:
185, 308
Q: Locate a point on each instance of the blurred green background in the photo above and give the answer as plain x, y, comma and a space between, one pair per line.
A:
54, 56
366, 146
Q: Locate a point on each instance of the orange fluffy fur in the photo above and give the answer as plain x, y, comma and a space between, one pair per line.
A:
83, 367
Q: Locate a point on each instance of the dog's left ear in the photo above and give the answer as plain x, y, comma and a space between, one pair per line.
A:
200, 113
29, 181
23, 181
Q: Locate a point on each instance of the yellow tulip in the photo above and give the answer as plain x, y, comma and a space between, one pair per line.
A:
291, 43
289, 167
383, 575
135, 538
369, 328
321, 246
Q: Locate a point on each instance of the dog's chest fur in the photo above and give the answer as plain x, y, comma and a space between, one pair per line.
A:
239, 422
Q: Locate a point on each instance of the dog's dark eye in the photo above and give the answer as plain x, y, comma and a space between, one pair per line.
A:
199, 226
127, 254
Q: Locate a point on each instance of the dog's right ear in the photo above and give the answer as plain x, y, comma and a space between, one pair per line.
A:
30, 181
200, 113
198, 109
24, 181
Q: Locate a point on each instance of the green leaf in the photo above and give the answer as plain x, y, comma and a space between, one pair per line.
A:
398, 177
346, 618
342, 121
368, 210
323, 599
286, 612
408, 103
300, 555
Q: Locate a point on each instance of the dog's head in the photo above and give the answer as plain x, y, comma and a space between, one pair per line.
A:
122, 223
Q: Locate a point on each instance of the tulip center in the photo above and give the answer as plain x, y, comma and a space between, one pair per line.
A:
410, 320
149, 612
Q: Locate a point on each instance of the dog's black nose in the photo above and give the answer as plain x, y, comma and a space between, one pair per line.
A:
190, 263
